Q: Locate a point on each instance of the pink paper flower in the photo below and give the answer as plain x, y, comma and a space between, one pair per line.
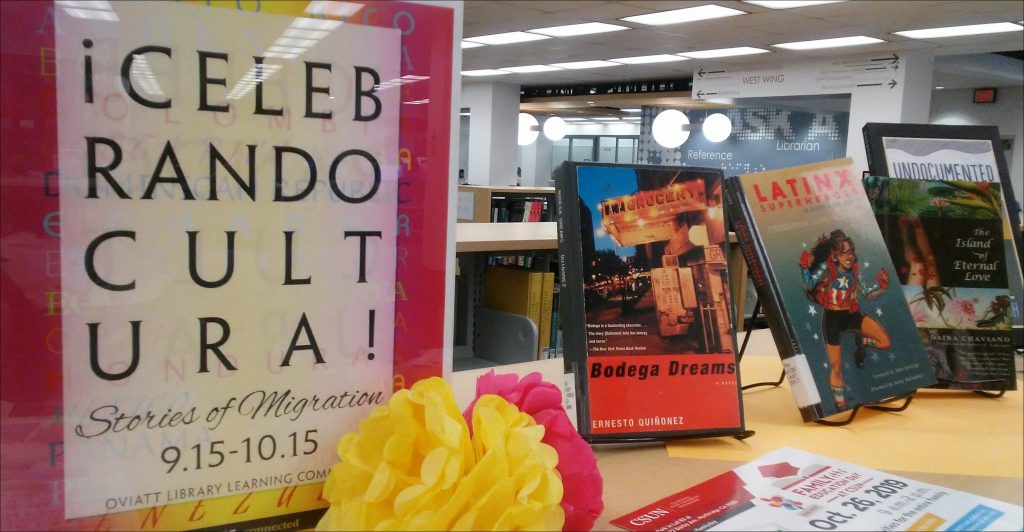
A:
583, 486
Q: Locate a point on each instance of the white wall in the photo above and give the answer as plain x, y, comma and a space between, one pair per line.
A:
956, 107
494, 109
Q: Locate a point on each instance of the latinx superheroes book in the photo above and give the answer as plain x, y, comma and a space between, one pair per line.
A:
829, 288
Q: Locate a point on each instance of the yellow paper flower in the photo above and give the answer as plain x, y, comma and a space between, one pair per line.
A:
413, 466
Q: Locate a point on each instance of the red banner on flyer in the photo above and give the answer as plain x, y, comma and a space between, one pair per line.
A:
711, 502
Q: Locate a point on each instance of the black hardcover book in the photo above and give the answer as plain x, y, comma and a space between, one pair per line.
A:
823, 275
644, 297
954, 153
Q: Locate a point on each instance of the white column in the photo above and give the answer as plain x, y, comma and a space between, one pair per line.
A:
908, 103
494, 110
536, 162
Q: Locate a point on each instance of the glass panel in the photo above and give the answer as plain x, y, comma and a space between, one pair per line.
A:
582, 149
559, 152
606, 149
626, 152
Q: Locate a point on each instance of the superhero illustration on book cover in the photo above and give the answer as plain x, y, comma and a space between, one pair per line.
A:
833, 278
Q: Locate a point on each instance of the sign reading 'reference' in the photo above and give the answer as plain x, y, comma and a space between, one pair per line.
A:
228, 199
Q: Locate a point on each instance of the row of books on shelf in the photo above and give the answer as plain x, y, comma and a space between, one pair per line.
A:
518, 289
520, 210
872, 287
523, 259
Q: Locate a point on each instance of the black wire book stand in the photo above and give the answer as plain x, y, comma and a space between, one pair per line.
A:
883, 406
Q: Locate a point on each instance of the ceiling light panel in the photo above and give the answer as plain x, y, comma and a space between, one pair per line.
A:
529, 69
856, 40
724, 52
304, 34
689, 14
304, 23
572, 30
579, 65
467, 44
484, 72
789, 4
333, 8
957, 31
511, 37
645, 59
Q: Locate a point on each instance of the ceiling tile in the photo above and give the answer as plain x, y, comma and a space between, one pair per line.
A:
553, 6
760, 28
609, 12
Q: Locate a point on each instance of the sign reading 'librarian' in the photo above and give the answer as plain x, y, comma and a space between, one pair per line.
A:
228, 202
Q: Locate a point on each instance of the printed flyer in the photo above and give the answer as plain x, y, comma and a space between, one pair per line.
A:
789, 489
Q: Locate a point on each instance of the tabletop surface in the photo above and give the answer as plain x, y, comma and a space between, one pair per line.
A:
636, 475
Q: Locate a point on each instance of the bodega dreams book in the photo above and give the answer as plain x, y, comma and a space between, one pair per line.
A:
646, 310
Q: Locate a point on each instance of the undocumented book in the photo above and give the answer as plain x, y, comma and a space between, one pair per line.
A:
789, 489
946, 240
644, 298
823, 274
954, 153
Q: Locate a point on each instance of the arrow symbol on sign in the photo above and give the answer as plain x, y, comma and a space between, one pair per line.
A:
896, 66
892, 83
894, 58
869, 84
701, 94
876, 68
701, 72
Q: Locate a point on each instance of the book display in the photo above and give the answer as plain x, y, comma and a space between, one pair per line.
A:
824, 275
961, 303
645, 301
281, 265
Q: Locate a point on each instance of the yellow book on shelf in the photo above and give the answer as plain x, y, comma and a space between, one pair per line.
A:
547, 295
515, 290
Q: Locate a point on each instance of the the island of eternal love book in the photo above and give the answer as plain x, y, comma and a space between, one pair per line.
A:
789, 489
828, 286
955, 153
645, 312
946, 239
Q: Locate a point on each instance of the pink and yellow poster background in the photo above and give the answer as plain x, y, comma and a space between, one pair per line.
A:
31, 402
